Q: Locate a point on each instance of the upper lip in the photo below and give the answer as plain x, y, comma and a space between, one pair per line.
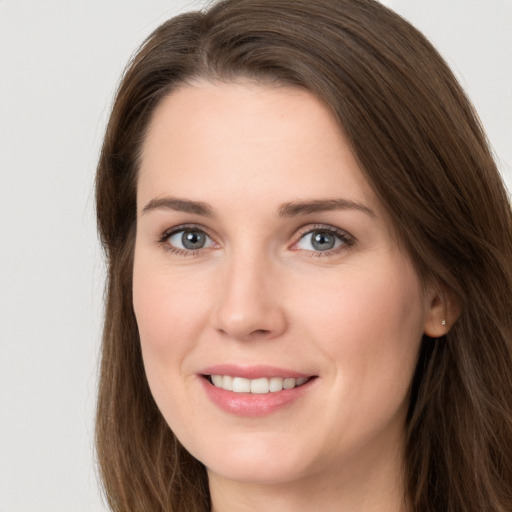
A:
252, 372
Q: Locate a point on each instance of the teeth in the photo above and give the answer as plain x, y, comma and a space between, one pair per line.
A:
260, 386
257, 386
289, 383
217, 381
241, 385
275, 384
227, 382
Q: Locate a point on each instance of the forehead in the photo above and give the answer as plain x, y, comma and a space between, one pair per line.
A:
225, 140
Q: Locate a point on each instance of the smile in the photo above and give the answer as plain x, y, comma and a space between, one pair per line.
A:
257, 386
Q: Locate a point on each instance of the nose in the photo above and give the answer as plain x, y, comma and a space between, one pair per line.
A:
249, 305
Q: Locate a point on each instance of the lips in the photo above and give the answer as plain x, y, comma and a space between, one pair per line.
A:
256, 390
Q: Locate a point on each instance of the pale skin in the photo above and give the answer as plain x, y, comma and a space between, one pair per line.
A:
259, 172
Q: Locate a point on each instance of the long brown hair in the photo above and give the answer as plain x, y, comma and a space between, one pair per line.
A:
422, 149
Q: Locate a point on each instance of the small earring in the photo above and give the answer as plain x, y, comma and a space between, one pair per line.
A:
443, 323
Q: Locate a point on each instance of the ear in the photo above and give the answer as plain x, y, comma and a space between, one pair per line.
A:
442, 311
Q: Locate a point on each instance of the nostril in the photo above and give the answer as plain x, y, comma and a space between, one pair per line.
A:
259, 332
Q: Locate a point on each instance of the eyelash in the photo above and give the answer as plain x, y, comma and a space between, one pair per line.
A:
346, 239
164, 240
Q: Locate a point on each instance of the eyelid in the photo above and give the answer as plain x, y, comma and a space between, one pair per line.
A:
164, 237
347, 239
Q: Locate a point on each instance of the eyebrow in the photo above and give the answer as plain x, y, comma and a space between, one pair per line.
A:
321, 205
179, 205
291, 209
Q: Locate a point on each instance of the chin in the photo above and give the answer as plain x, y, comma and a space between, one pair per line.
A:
255, 462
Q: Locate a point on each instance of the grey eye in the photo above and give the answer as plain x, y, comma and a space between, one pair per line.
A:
190, 239
320, 240
193, 239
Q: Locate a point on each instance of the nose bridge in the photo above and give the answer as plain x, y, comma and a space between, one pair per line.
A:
249, 304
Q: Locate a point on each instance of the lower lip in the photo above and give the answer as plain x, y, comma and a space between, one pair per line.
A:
254, 404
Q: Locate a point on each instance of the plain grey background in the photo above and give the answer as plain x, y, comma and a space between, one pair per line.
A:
59, 65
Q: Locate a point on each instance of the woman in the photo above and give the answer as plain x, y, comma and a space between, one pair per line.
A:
310, 271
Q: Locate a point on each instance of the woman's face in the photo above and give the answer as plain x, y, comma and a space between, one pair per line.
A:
264, 261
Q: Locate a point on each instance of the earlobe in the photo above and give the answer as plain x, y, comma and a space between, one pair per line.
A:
442, 312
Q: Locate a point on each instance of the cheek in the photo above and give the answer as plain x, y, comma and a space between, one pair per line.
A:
369, 324
169, 318
167, 308
154, 307
362, 306
369, 327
